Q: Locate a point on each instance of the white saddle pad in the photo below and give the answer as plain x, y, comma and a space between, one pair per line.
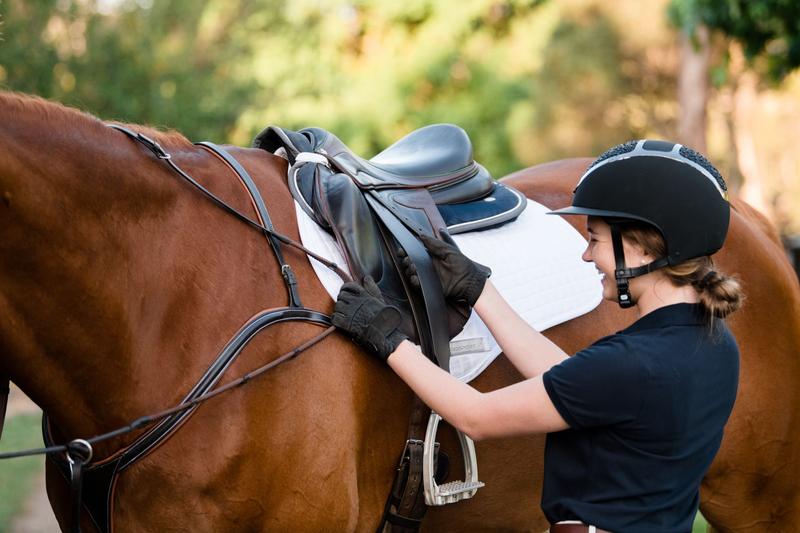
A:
536, 265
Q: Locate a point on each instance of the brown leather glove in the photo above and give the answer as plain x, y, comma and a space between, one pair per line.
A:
462, 279
372, 323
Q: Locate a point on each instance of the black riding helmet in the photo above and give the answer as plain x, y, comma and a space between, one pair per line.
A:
665, 185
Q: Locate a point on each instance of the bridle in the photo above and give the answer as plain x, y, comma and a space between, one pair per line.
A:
75, 457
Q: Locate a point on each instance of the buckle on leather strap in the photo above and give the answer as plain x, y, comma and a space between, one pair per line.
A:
288, 274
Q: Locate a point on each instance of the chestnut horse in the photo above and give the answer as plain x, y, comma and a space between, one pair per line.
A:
119, 284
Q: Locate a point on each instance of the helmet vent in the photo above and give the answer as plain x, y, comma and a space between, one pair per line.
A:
695, 157
613, 152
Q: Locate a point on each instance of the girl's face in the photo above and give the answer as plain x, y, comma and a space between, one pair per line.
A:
600, 251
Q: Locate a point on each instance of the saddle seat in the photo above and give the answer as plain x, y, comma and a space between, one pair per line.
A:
437, 157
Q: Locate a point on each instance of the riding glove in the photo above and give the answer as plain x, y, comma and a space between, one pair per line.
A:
462, 279
372, 323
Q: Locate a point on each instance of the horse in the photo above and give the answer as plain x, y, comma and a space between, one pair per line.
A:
119, 284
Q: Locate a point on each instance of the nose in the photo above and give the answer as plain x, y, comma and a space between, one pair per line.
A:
587, 254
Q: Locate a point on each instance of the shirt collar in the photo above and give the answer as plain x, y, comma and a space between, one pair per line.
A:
682, 314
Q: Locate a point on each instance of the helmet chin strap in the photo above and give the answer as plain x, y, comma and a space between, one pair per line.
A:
623, 274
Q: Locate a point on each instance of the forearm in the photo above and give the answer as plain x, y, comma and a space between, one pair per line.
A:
456, 402
518, 409
529, 351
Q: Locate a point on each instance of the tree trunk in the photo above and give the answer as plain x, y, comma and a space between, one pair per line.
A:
745, 109
693, 89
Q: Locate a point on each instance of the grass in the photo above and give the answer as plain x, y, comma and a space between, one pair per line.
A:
700, 525
17, 475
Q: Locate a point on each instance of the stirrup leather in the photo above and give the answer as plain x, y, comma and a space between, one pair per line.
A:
453, 491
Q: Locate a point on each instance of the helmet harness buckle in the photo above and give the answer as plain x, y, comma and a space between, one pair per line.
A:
623, 274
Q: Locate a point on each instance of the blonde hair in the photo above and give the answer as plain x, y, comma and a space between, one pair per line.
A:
719, 293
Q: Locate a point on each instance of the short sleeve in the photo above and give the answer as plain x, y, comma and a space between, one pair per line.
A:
599, 386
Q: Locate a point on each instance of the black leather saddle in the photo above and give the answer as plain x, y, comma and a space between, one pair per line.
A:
375, 207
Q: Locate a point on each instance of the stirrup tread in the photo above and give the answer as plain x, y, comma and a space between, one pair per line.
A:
453, 491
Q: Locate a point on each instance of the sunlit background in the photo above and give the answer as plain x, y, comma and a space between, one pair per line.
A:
530, 81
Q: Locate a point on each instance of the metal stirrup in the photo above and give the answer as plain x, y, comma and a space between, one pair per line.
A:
454, 491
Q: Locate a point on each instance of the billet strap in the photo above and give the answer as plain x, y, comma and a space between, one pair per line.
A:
263, 215
4, 392
405, 507
433, 334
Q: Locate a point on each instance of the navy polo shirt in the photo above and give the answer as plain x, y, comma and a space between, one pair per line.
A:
646, 409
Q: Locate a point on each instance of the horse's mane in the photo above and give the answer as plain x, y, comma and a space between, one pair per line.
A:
56, 114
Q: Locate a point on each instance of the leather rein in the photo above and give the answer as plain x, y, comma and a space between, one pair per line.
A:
74, 457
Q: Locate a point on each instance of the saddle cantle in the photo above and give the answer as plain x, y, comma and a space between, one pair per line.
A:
437, 158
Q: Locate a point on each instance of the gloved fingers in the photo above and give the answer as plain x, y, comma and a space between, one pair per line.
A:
350, 292
351, 287
436, 247
372, 288
410, 270
445, 236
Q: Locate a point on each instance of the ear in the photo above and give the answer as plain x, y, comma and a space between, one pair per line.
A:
635, 255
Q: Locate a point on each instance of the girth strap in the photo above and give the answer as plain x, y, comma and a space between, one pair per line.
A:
405, 507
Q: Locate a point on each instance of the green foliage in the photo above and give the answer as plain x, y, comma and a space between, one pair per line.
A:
767, 29
524, 77
163, 64
16, 475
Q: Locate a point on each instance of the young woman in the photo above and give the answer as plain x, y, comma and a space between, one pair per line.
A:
635, 419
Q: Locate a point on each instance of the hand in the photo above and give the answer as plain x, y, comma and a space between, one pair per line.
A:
462, 279
371, 322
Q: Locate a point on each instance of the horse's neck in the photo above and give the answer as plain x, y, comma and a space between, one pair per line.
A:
115, 279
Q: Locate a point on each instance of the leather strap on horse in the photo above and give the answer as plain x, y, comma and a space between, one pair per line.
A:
263, 215
99, 482
405, 508
79, 453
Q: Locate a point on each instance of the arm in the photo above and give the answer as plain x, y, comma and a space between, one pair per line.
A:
522, 408
466, 281
529, 351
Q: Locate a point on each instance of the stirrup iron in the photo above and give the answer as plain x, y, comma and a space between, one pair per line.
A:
453, 491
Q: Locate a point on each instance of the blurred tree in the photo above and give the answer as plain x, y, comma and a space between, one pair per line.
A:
529, 80
151, 62
767, 33
767, 29
372, 71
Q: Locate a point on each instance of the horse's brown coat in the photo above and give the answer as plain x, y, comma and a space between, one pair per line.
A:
119, 284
